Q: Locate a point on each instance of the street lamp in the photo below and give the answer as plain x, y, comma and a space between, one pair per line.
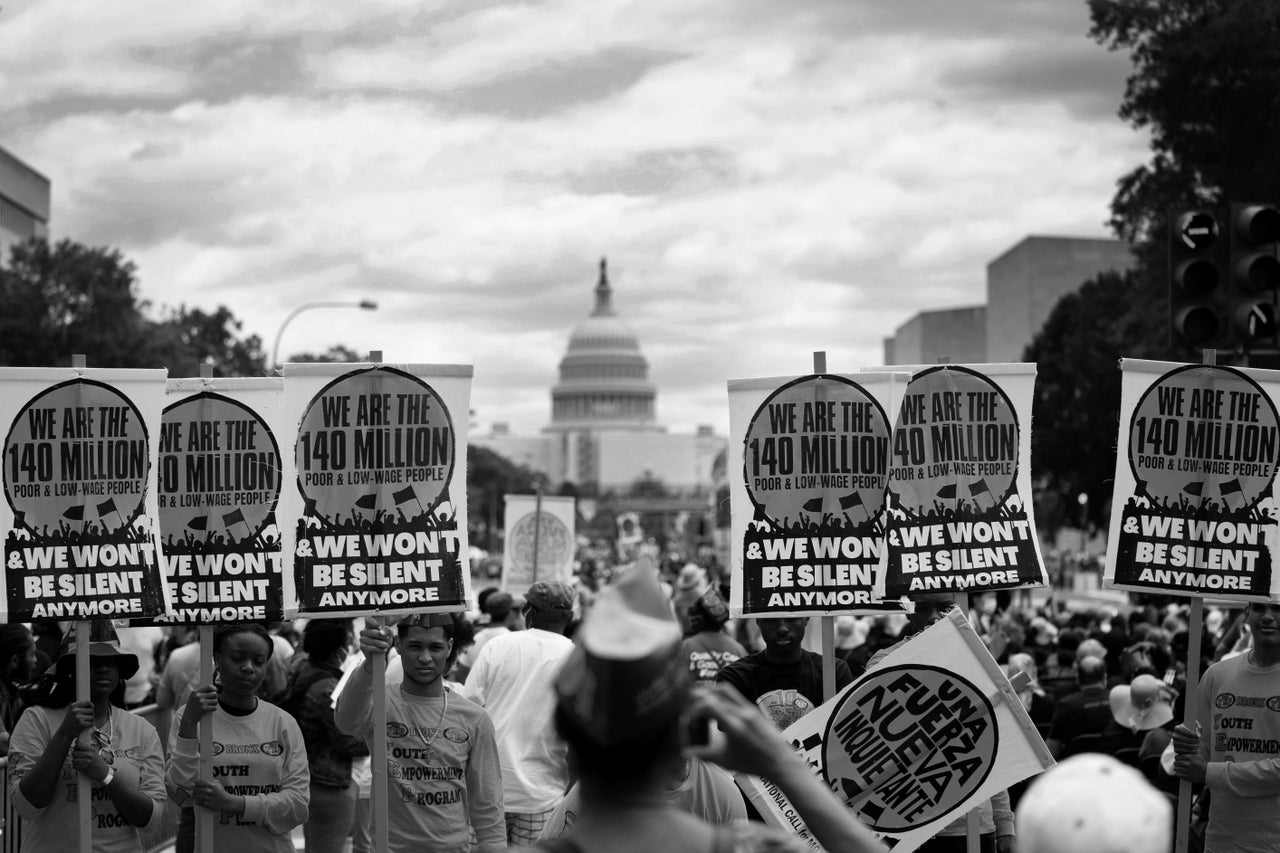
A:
365, 304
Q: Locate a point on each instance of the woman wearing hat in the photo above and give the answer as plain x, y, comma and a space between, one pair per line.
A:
58, 739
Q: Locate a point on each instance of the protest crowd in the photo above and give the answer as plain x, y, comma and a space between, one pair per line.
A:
527, 711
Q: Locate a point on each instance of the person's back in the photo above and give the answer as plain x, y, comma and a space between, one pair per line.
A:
513, 679
622, 698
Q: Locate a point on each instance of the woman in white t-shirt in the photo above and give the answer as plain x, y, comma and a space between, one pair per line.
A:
58, 739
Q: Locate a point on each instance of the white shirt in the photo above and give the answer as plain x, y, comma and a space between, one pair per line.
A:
514, 679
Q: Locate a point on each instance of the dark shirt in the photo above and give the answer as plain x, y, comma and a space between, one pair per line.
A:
787, 691
1087, 711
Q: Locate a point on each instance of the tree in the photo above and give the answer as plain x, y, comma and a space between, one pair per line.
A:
64, 299
1206, 88
69, 298
336, 354
1078, 393
489, 477
188, 338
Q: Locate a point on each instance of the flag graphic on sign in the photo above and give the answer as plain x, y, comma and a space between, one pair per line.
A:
851, 500
368, 501
106, 508
234, 517
948, 492
1231, 487
813, 505
1194, 488
200, 522
75, 513
979, 487
405, 495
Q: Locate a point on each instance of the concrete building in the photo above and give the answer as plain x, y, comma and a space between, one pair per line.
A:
604, 434
24, 203
1026, 282
1023, 286
957, 334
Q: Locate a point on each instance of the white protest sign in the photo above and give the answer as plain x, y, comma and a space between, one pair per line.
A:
1194, 510
553, 533
960, 505
80, 514
808, 495
928, 734
376, 522
221, 474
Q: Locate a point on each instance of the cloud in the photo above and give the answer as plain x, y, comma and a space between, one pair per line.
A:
766, 179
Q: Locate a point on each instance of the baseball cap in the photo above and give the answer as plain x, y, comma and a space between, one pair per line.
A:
498, 605
550, 596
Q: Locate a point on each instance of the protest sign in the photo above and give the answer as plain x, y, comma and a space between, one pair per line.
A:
553, 532
380, 499
808, 501
926, 735
1194, 510
960, 503
80, 515
220, 478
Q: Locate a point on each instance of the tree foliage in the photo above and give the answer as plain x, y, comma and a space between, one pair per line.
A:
1205, 87
336, 354
67, 298
490, 476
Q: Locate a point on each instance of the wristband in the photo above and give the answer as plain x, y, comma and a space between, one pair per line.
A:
111, 774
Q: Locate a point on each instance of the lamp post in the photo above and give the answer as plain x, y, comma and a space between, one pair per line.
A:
364, 304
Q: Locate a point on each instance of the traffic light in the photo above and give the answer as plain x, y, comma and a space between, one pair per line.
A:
1254, 274
1195, 279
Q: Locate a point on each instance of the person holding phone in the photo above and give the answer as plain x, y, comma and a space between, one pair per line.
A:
625, 708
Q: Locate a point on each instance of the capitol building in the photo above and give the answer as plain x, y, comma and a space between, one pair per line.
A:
604, 434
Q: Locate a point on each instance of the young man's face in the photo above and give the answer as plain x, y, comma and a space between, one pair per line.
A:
424, 651
783, 634
1264, 623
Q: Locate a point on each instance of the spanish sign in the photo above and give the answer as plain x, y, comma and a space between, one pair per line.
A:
1194, 511
551, 530
220, 478
80, 516
960, 503
921, 738
380, 496
807, 506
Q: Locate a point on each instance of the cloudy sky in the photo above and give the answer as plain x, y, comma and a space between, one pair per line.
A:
766, 178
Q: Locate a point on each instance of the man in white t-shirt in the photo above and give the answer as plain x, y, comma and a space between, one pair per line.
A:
514, 679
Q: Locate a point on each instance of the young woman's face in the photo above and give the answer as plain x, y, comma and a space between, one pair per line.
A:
241, 662
104, 676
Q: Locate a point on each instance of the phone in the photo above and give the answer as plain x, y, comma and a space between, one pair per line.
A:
701, 736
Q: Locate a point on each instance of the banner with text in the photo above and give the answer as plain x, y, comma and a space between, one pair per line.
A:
808, 500
925, 736
1194, 508
960, 514
221, 473
80, 516
377, 520
552, 530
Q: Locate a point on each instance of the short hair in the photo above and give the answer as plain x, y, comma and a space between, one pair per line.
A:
323, 638
221, 633
1091, 670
